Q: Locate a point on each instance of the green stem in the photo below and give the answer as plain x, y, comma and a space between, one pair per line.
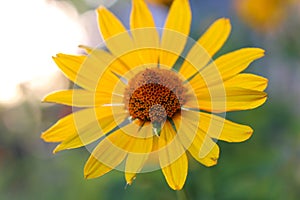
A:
181, 195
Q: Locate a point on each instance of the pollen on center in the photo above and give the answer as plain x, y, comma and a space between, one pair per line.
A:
154, 95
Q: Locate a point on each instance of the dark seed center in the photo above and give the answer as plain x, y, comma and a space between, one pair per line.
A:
154, 94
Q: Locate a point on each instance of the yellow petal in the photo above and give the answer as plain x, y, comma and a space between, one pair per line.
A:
106, 156
247, 81
175, 174
153, 158
140, 137
117, 39
230, 64
206, 47
82, 98
86, 48
170, 147
110, 152
82, 127
198, 143
93, 168
212, 156
141, 16
172, 157
67, 126
196, 59
104, 60
86, 71
243, 99
67, 97
129, 177
144, 32
113, 149
107, 72
219, 99
179, 17
134, 164
109, 24
175, 33
93, 131
216, 35
139, 149
70, 66
244, 80
222, 129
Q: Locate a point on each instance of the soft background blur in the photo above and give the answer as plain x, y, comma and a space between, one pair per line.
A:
265, 167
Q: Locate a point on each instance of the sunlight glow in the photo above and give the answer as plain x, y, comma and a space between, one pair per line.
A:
31, 32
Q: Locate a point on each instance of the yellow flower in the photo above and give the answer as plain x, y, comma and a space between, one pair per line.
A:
148, 110
262, 15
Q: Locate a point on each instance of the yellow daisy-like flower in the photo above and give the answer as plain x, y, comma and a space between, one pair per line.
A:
148, 101
263, 15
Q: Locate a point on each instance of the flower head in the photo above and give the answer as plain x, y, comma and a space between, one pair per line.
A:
148, 102
263, 15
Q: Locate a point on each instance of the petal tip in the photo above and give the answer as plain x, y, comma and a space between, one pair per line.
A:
45, 99
54, 58
249, 134
57, 149
87, 176
225, 20
45, 136
260, 51
42, 136
129, 182
58, 55
130, 177
100, 8
177, 187
213, 161
81, 46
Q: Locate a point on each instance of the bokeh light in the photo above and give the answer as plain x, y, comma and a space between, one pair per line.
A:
32, 31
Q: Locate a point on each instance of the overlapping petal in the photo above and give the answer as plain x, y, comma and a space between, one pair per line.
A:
106, 156
216, 127
172, 157
67, 126
222, 129
82, 98
144, 33
176, 28
215, 36
117, 39
87, 72
230, 64
139, 151
247, 81
212, 153
219, 99
176, 172
196, 141
82, 127
206, 47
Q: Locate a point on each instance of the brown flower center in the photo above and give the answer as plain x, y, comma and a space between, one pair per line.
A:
154, 94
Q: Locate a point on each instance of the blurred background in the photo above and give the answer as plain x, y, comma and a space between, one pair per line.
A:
265, 167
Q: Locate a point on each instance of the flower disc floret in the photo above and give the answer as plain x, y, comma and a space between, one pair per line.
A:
154, 94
